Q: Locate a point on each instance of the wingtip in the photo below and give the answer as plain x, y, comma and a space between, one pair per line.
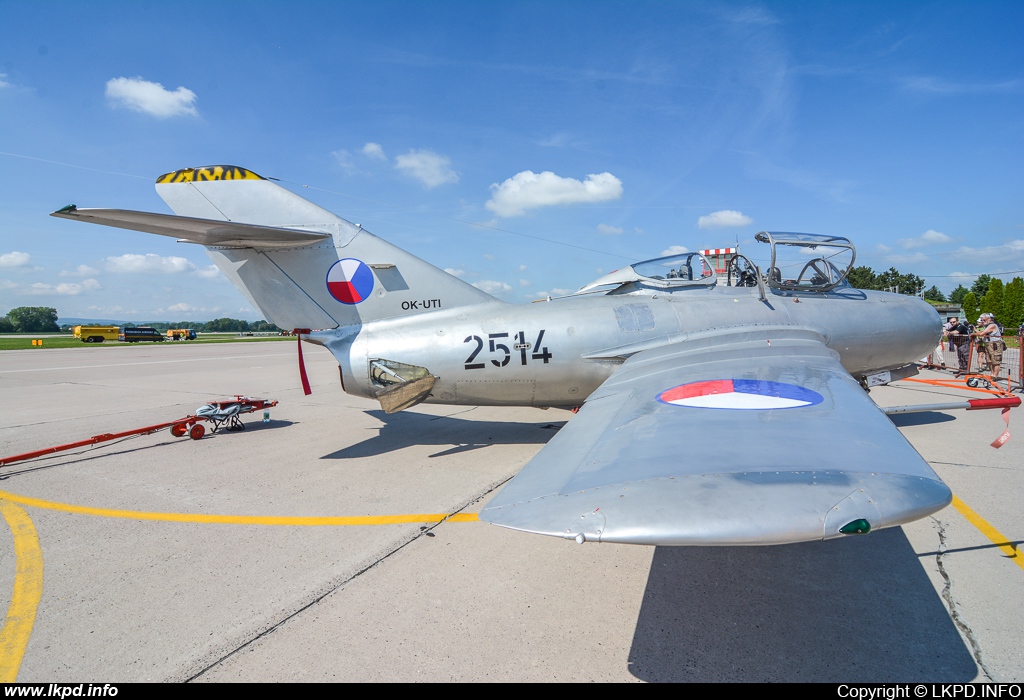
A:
727, 509
65, 211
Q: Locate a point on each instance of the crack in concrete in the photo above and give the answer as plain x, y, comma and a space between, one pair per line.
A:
969, 466
954, 613
425, 531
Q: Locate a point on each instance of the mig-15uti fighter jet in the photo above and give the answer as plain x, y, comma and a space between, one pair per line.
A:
712, 412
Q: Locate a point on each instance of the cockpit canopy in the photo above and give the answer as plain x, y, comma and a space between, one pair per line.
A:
671, 272
807, 261
799, 262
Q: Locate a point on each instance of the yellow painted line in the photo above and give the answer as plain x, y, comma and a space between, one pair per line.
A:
314, 520
28, 589
997, 538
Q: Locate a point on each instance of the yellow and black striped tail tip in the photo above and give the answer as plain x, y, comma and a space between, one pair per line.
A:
207, 173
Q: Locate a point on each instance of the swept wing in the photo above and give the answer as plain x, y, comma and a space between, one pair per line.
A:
743, 437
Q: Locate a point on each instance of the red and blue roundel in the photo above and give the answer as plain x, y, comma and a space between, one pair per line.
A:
350, 281
740, 394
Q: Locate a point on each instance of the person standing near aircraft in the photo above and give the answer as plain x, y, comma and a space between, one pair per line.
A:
990, 337
960, 340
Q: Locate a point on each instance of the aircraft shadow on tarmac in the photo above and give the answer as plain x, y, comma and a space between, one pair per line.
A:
852, 610
903, 420
407, 429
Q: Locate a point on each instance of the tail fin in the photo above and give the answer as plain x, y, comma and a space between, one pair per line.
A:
348, 278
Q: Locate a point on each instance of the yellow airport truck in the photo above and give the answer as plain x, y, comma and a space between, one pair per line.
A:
181, 334
96, 334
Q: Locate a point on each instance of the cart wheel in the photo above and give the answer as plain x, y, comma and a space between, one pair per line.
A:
197, 431
179, 430
972, 382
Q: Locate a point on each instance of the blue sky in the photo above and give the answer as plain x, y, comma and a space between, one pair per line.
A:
528, 147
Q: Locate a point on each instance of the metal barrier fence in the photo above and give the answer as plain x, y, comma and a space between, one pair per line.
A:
970, 359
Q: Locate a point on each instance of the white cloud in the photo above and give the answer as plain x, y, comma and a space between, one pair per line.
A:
1011, 251
209, 272
964, 278
453, 272
911, 259
148, 263
529, 190
150, 98
3, 81
14, 259
64, 288
935, 85
929, 237
724, 219
522, 268
80, 271
609, 230
492, 287
675, 250
374, 150
525, 283
556, 292
344, 159
432, 169
183, 309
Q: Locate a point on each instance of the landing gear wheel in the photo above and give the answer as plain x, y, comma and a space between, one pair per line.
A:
197, 431
179, 430
972, 382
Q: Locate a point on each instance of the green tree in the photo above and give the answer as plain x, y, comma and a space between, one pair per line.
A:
862, 277
1013, 304
34, 319
958, 294
992, 302
933, 294
5, 325
226, 325
907, 284
970, 305
980, 286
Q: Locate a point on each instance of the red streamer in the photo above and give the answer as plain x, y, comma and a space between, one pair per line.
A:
1001, 440
302, 365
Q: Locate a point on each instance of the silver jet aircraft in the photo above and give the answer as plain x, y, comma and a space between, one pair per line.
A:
711, 412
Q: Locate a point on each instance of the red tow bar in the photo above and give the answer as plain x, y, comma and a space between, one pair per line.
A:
192, 425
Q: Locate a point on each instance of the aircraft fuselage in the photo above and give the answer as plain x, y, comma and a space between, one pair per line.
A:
557, 352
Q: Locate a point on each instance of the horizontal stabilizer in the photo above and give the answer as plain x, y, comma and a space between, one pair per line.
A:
223, 234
